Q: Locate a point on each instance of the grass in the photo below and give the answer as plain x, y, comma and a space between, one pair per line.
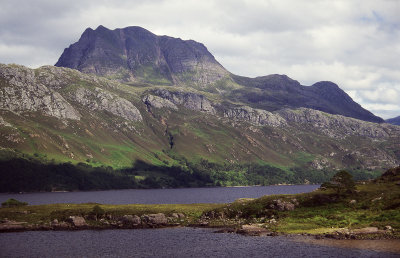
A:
37, 214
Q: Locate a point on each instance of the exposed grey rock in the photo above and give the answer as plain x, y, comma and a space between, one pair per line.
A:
282, 205
130, 220
337, 126
255, 116
189, 100
77, 221
155, 219
367, 230
4, 123
253, 230
11, 225
100, 99
388, 228
20, 91
158, 102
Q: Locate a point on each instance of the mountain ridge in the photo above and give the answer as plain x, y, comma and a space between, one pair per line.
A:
135, 55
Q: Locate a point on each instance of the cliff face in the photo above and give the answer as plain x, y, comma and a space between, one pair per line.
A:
22, 91
134, 54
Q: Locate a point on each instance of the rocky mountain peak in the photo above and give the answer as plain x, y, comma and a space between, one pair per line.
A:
134, 54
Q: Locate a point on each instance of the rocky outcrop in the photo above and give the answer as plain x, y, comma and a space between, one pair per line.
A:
130, 220
11, 225
253, 230
4, 123
254, 116
158, 102
20, 91
189, 100
282, 205
155, 219
100, 99
337, 126
77, 221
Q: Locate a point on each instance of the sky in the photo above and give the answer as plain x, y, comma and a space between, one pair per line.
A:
355, 44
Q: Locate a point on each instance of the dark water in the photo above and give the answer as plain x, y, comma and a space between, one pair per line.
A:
160, 196
170, 242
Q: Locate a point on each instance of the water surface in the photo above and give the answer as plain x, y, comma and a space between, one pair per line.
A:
159, 196
169, 242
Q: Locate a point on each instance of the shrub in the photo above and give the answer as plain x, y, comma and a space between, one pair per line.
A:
97, 211
342, 182
13, 203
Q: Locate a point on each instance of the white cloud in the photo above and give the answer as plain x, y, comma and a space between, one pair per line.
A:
355, 44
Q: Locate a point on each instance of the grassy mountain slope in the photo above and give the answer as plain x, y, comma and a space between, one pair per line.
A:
93, 123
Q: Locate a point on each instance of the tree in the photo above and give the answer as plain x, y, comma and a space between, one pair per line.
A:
98, 211
342, 182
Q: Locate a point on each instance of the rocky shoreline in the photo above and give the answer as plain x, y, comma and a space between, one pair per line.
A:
160, 220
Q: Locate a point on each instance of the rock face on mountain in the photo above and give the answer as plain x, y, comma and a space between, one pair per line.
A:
50, 92
20, 91
393, 121
134, 54
335, 126
99, 99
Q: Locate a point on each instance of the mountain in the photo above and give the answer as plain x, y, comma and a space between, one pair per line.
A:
200, 127
72, 116
134, 55
393, 121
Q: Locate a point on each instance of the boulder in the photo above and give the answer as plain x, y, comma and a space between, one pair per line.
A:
130, 220
367, 230
77, 221
282, 205
252, 230
10, 225
155, 219
388, 228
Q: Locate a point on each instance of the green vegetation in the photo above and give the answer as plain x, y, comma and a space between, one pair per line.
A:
40, 214
13, 203
342, 183
37, 174
98, 212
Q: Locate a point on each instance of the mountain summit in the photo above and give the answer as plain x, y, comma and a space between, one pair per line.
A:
134, 54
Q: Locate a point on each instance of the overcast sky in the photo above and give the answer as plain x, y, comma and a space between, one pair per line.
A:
355, 44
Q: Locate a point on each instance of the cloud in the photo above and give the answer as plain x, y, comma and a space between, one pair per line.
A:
355, 44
